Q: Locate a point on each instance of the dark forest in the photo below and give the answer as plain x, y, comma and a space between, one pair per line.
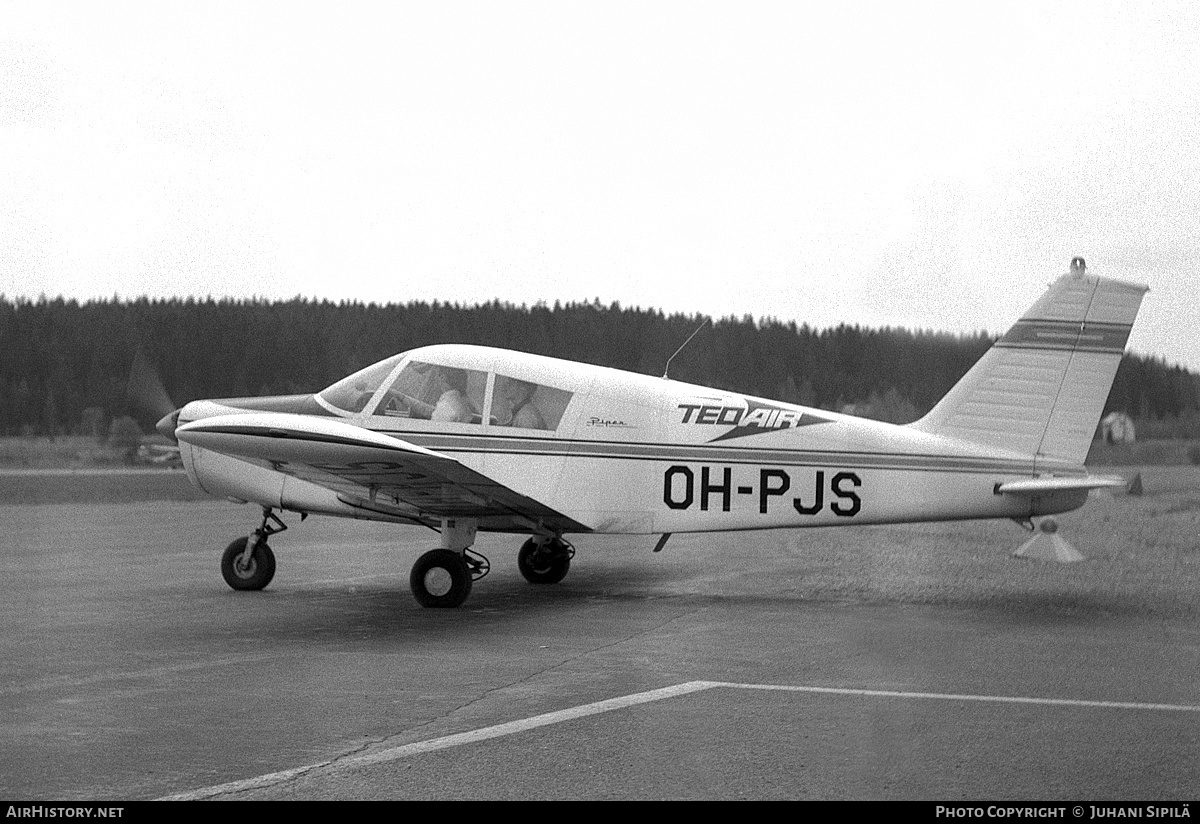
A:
65, 365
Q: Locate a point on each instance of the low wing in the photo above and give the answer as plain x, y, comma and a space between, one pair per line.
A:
373, 471
1036, 486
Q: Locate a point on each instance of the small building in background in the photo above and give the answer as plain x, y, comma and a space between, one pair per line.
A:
1117, 427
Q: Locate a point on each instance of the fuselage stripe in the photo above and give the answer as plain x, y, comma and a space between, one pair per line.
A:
676, 453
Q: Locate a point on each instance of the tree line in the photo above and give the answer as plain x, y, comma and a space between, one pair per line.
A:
65, 365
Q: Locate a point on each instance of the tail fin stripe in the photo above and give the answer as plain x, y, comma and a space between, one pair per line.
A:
1066, 336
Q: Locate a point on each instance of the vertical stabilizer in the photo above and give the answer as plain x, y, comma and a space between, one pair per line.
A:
1040, 389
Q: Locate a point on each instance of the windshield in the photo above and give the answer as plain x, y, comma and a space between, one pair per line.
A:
352, 393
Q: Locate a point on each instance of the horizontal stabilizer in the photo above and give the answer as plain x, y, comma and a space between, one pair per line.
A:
1038, 486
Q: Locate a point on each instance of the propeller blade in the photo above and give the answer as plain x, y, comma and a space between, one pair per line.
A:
145, 390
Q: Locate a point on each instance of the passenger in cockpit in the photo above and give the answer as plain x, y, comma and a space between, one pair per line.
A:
513, 405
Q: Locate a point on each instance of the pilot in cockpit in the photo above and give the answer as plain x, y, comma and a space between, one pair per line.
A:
453, 404
442, 394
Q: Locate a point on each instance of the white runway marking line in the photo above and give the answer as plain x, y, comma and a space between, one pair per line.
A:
995, 699
584, 710
448, 741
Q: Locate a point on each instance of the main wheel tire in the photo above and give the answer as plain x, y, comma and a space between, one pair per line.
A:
254, 575
545, 563
440, 578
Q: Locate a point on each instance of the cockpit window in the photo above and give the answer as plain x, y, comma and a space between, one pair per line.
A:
527, 405
436, 393
352, 393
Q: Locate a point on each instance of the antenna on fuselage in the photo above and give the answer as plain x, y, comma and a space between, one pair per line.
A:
667, 368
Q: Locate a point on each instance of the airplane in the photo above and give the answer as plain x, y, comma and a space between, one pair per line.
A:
463, 438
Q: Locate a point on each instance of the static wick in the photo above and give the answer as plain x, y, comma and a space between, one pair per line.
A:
667, 368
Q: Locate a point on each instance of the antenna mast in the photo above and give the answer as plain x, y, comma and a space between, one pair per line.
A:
667, 368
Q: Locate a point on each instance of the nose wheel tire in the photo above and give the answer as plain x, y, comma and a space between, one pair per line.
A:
440, 578
254, 573
544, 563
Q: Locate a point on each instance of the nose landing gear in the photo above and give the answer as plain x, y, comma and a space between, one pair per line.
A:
248, 563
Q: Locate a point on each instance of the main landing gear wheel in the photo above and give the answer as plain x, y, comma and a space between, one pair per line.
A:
546, 562
252, 573
440, 578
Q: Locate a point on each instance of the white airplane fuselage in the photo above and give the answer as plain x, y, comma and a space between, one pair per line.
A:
638, 454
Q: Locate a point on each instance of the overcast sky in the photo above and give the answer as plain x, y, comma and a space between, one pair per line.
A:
929, 165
